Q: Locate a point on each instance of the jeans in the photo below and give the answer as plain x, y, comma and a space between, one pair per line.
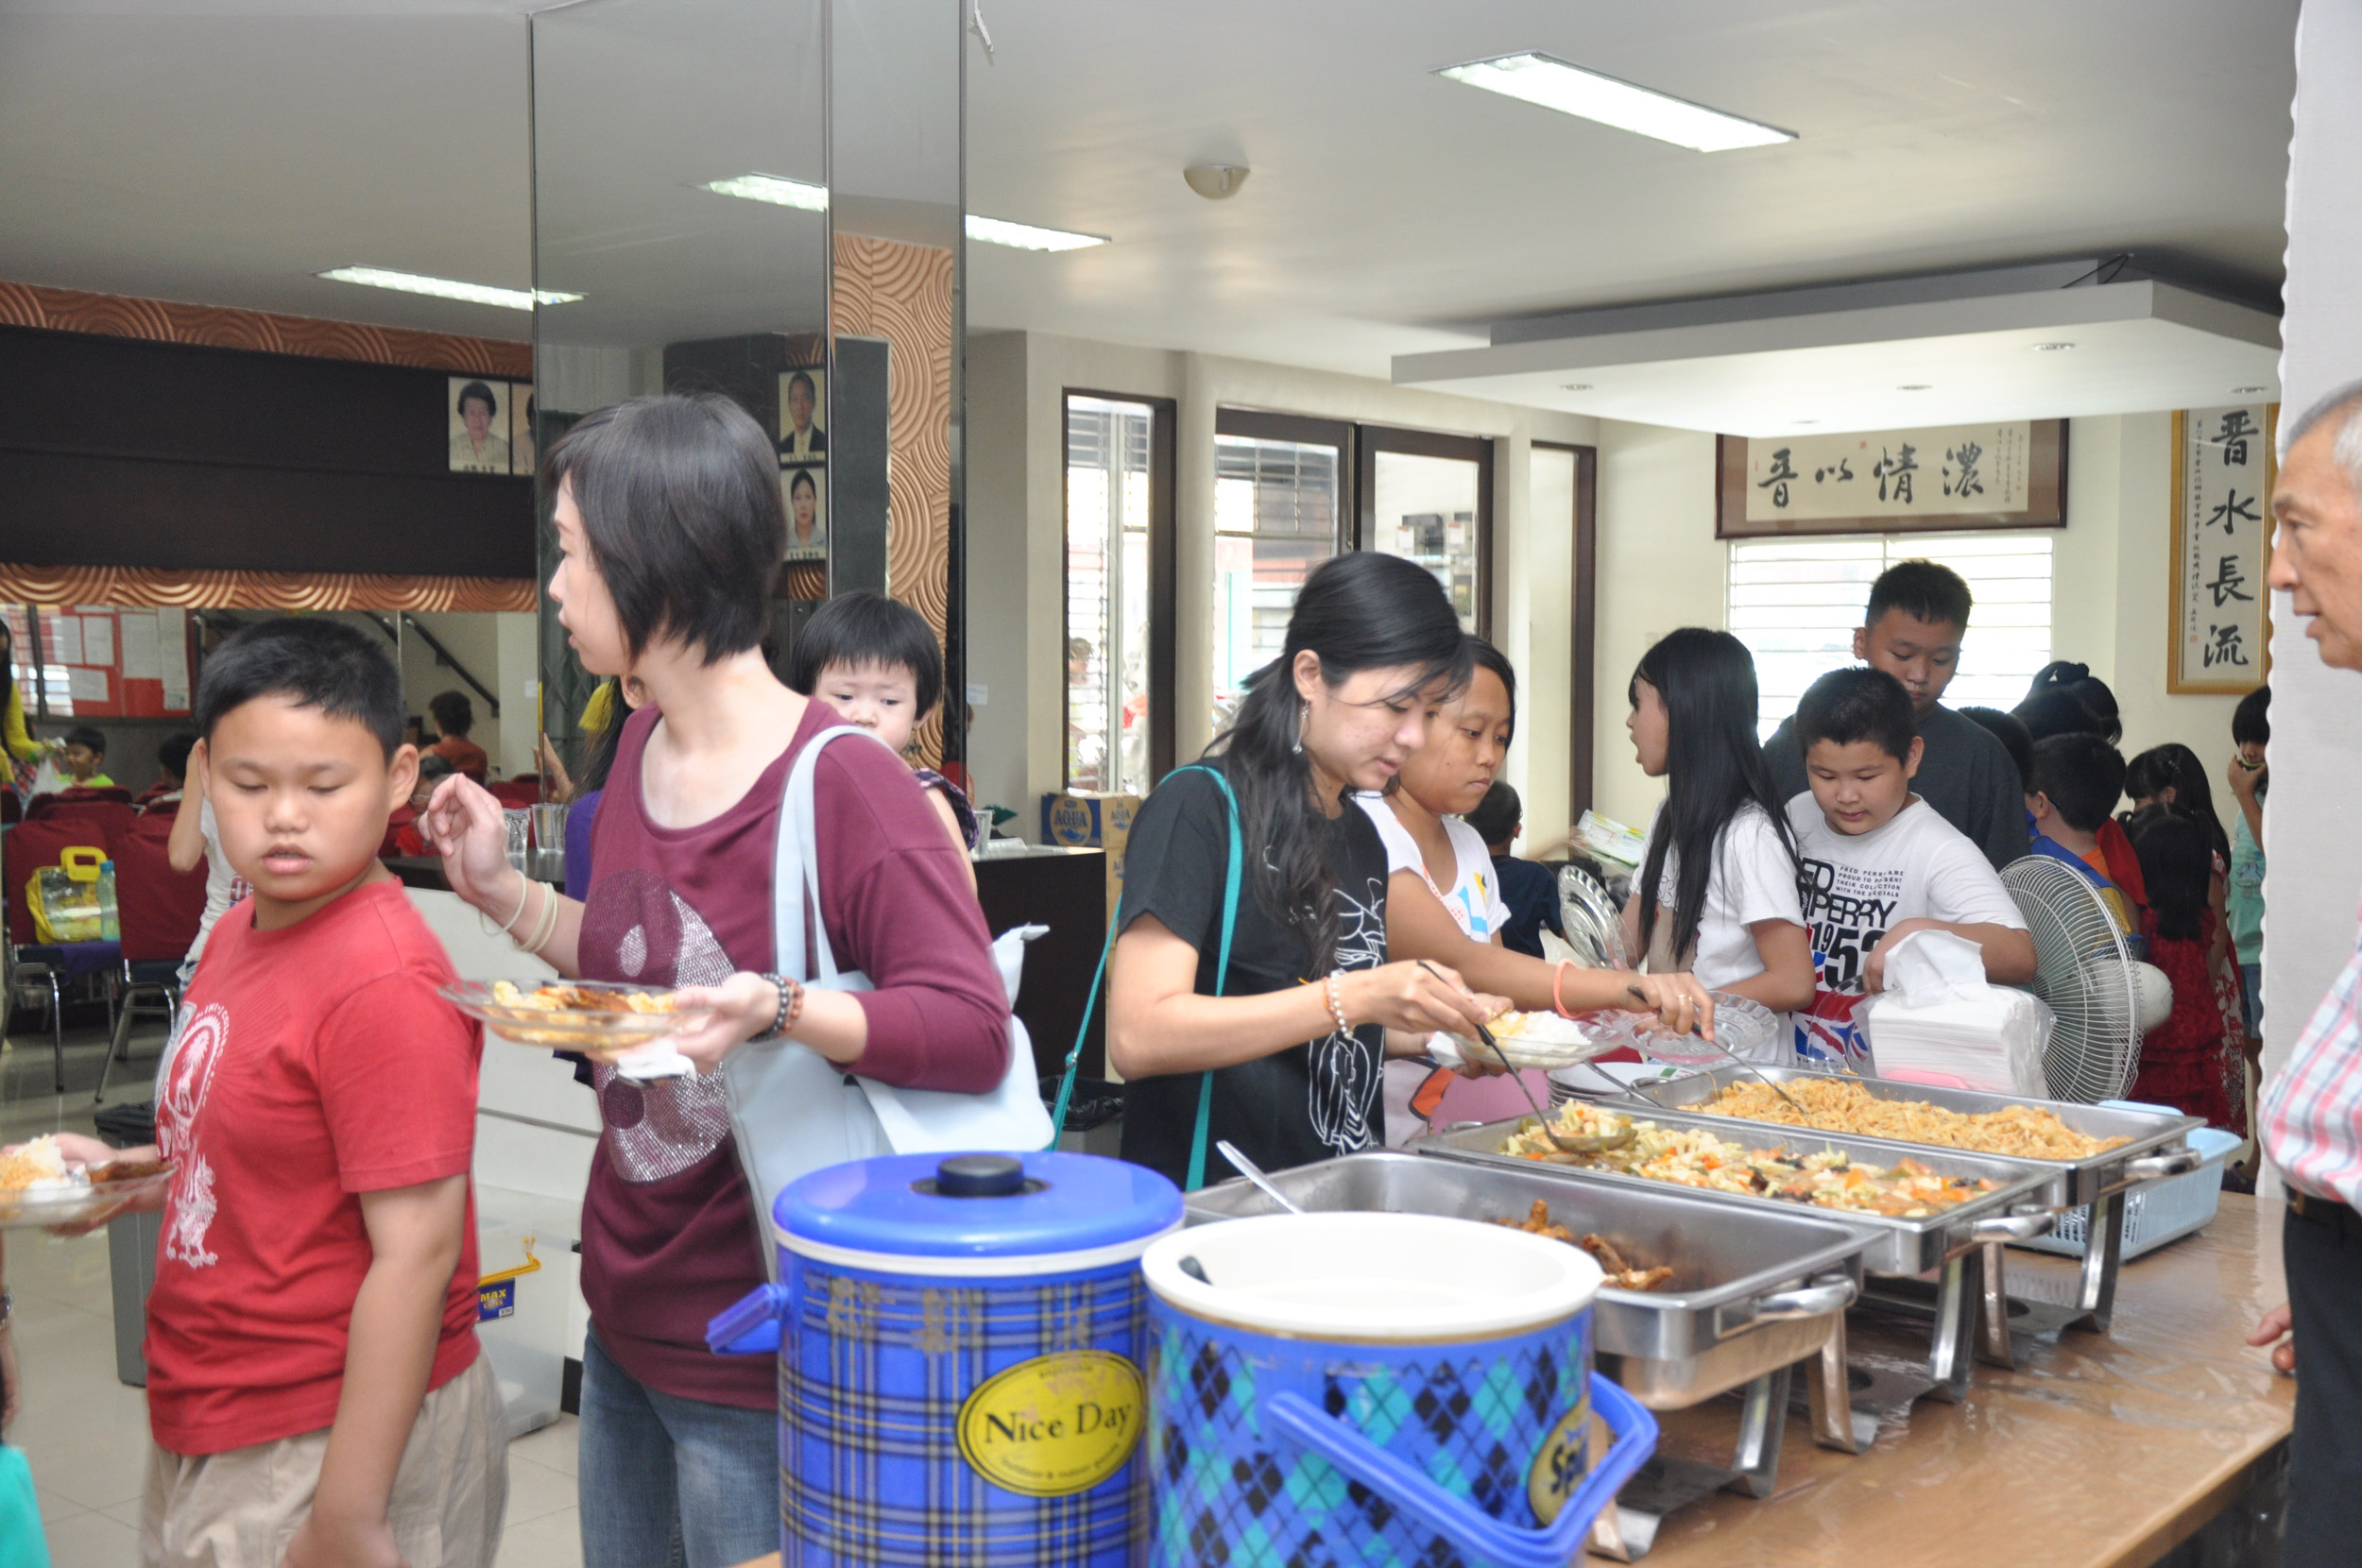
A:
669, 1482
2251, 996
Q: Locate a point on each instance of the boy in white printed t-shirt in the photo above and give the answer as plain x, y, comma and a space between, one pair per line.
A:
1877, 863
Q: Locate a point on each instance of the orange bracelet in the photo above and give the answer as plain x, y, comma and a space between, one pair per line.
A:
1558, 974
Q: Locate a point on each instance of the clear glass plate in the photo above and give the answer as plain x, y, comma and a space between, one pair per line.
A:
616, 1026
106, 1197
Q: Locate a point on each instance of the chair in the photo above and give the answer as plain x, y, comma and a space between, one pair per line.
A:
108, 817
25, 848
81, 794
160, 910
515, 794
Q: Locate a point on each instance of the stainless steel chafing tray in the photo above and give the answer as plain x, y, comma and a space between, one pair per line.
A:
2020, 1204
2159, 1146
1749, 1293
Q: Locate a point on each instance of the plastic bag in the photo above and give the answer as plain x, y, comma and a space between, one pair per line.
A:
46, 779
71, 901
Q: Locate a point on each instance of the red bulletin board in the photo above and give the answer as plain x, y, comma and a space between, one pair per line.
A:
117, 662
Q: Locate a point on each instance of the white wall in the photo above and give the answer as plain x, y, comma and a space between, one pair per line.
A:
2316, 856
474, 638
1660, 568
1015, 382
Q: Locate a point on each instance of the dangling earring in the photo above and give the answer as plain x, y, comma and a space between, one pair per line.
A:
1304, 714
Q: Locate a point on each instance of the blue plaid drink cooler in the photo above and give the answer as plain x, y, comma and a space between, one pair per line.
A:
1381, 1389
961, 1345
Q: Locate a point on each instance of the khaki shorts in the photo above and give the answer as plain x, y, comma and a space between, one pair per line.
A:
240, 1508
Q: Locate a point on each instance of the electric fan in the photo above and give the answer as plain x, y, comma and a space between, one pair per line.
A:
2103, 998
1588, 916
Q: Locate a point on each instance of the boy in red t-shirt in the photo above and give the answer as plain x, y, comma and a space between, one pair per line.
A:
315, 1386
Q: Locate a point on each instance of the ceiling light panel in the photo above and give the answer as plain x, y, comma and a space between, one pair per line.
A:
1025, 236
445, 288
1553, 84
775, 189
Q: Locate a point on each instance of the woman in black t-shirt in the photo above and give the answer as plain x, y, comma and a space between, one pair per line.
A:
1295, 1040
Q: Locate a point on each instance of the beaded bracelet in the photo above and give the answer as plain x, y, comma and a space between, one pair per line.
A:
790, 1007
1329, 988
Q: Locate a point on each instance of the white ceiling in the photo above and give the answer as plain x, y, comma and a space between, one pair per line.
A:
224, 150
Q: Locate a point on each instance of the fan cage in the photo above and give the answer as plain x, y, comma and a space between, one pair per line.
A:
2084, 972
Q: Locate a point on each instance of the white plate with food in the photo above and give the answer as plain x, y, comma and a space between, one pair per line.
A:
39, 1188
1528, 1039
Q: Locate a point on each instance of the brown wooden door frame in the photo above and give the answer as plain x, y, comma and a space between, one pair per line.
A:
1583, 669
1369, 440
1163, 591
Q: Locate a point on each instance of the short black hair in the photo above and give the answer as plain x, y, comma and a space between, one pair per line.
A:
2060, 710
2082, 774
2014, 737
478, 391
317, 663
1496, 816
2252, 721
432, 767
1486, 656
172, 753
867, 628
453, 713
804, 378
2044, 715
803, 476
1924, 590
86, 735
1860, 703
681, 503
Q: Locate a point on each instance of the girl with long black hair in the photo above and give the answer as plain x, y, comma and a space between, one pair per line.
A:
1441, 904
1294, 1032
1717, 892
18, 739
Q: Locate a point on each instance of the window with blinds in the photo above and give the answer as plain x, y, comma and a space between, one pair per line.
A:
1797, 603
1276, 504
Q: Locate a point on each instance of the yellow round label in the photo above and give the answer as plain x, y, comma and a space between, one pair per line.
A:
1561, 1463
1056, 1424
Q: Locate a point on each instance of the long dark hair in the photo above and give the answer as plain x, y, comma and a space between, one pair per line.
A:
2176, 869
1714, 767
1361, 611
2177, 766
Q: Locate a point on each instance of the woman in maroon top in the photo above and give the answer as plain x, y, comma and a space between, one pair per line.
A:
670, 532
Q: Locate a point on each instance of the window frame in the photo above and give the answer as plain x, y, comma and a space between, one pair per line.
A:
1581, 745
1163, 581
1371, 439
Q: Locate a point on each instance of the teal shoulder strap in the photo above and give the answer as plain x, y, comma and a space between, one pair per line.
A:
1221, 975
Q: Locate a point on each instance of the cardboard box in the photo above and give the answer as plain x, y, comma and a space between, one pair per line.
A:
1093, 822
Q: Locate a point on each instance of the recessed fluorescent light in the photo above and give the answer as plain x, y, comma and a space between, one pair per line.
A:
1571, 90
1915, 386
1808, 421
445, 288
1575, 387
1024, 236
2248, 391
774, 188
2052, 347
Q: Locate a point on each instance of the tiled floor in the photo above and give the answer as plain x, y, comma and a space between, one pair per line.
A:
85, 1433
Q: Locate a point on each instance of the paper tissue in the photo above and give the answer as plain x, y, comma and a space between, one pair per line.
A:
1938, 1022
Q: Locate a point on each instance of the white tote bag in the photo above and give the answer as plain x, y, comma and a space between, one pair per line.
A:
793, 1111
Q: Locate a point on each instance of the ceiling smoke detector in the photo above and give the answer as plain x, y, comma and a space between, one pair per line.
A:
1216, 181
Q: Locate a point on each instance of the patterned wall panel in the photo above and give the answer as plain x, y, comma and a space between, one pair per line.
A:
163, 321
139, 587
902, 292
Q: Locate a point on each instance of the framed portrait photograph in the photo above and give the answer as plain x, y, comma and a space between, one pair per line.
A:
804, 489
522, 455
803, 415
479, 424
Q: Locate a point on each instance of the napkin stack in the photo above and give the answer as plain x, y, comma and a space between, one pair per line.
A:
1939, 1022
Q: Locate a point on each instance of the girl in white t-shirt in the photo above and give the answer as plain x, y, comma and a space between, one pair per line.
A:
1442, 902
1717, 891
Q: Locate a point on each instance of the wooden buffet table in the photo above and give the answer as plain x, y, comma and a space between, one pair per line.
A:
2098, 1451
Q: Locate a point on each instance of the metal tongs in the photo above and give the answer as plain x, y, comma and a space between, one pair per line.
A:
1567, 1143
1642, 997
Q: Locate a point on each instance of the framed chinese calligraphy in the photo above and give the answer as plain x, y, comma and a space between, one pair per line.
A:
2219, 637
1944, 478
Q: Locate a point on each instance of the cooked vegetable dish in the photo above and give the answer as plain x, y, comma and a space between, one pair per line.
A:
1828, 1178
1620, 1274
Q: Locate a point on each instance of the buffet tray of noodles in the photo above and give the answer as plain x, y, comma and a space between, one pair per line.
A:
1922, 1206
2091, 1151
40, 1188
1706, 1297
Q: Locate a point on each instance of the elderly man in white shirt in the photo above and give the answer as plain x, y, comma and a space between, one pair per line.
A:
2312, 1112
